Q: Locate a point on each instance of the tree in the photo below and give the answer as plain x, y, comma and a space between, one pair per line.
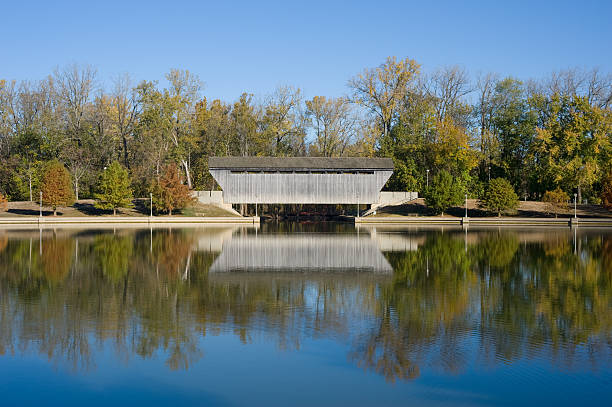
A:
125, 110
182, 94
282, 123
74, 87
515, 126
380, 90
606, 193
114, 188
500, 196
56, 186
572, 146
556, 200
169, 192
333, 123
3, 203
444, 193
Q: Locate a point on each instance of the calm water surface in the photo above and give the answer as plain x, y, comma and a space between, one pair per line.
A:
319, 314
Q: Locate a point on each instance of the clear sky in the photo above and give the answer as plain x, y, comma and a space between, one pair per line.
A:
254, 46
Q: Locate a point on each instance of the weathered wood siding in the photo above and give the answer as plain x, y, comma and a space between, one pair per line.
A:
310, 252
300, 187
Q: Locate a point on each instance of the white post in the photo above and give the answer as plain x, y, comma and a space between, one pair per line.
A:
151, 198
575, 214
40, 207
466, 206
427, 178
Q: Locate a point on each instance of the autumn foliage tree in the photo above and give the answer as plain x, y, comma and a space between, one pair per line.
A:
606, 193
169, 192
556, 200
3, 203
56, 186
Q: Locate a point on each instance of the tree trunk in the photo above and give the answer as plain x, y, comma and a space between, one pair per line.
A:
30, 183
170, 212
76, 189
125, 152
54, 211
187, 174
114, 211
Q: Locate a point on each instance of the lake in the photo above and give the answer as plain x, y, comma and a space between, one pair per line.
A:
306, 314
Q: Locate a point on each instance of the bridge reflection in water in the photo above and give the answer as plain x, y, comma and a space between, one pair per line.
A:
311, 252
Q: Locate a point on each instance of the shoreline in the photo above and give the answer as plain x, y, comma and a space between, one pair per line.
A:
479, 221
144, 220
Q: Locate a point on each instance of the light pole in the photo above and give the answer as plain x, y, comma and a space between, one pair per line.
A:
466, 205
575, 215
489, 174
427, 178
151, 198
40, 207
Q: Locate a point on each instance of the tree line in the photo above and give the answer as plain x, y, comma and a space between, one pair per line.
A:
551, 134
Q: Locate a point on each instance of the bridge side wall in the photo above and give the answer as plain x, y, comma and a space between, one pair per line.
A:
298, 187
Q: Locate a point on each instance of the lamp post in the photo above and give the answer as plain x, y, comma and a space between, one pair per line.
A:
489, 174
575, 215
466, 215
427, 178
40, 207
151, 198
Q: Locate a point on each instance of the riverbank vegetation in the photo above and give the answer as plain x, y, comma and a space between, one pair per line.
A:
538, 134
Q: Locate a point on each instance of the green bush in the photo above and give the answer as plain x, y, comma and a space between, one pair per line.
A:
114, 189
444, 192
500, 197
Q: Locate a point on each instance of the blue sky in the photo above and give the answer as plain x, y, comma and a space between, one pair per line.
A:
315, 45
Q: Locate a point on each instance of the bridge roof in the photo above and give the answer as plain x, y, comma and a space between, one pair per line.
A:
300, 163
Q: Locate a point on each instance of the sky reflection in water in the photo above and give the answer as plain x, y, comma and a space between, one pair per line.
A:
305, 314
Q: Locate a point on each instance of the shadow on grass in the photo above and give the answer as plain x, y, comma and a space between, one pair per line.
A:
89, 209
32, 212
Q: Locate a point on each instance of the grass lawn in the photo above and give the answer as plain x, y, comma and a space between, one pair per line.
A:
529, 209
85, 207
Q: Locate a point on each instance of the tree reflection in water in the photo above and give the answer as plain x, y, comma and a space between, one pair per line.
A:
521, 295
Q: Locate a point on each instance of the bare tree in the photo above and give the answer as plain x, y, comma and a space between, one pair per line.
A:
126, 106
594, 85
485, 86
283, 122
75, 85
447, 86
334, 125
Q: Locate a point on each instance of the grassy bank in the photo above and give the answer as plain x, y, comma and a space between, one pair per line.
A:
86, 208
528, 209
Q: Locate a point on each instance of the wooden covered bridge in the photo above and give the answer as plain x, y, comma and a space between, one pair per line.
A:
300, 180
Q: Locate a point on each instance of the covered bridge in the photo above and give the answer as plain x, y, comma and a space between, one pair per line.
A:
300, 180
